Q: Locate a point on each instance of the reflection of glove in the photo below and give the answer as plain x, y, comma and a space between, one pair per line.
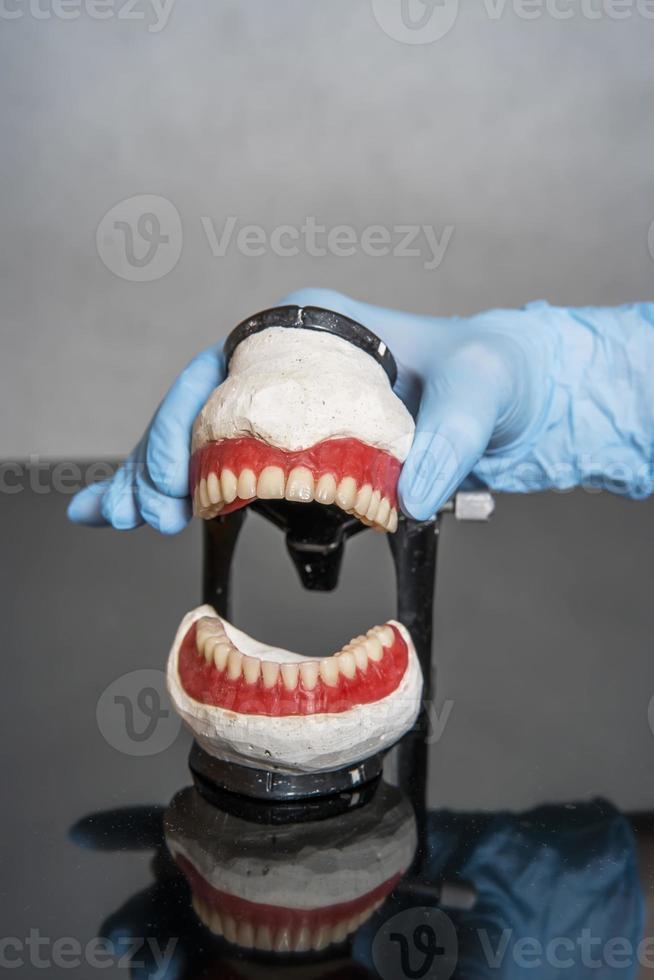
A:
522, 400
518, 399
558, 894
152, 484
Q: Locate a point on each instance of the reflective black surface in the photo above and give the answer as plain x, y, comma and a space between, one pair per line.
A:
106, 839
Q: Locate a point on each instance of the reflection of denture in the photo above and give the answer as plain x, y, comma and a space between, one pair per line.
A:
292, 888
302, 416
258, 704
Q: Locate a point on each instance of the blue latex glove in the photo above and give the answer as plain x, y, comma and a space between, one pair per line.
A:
514, 400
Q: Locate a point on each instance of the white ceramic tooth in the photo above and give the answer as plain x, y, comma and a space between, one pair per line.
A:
234, 664
347, 664
360, 656
303, 941
229, 929
383, 512
247, 485
251, 669
363, 499
309, 672
325, 492
346, 493
213, 488
339, 932
392, 521
245, 935
216, 923
290, 674
221, 651
196, 501
270, 672
263, 938
204, 494
321, 938
299, 486
373, 647
228, 486
329, 671
386, 635
282, 942
270, 485
371, 512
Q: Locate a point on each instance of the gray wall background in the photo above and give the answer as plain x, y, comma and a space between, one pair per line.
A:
534, 138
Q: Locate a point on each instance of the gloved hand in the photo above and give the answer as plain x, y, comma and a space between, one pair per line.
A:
514, 400
152, 483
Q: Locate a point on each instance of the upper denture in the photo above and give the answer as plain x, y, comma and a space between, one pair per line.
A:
361, 479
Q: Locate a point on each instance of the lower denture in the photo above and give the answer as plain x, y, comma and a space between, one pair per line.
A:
229, 473
249, 685
297, 926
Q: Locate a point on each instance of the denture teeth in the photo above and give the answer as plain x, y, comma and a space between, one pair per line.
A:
347, 664
221, 653
383, 512
339, 932
309, 672
228, 486
346, 493
216, 924
299, 486
303, 940
321, 938
373, 506
229, 929
363, 499
282, 943
325, 492
251, 669
213, 488
204, 494
247, 485
270, 672
386, 635
270, 485
245, 935
263, 938
373, 647
234, 664
329, 671
360, 656
290, 675
392, 521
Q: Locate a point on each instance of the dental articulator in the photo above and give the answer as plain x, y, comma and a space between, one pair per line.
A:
307, 431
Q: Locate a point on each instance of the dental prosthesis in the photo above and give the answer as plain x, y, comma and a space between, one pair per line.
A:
292, 888
307, 414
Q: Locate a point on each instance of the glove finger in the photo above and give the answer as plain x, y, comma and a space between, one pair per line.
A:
120, 506
169, 442
164, 513
86, 505
455, 424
